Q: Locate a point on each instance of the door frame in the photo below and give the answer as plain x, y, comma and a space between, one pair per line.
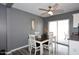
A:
57, 33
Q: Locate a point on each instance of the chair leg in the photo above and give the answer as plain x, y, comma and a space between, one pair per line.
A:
30, 50
35, 51
49, 51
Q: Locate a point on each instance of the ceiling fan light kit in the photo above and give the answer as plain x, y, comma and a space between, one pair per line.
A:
50, 13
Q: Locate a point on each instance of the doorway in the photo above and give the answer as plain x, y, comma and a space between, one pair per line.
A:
60, 30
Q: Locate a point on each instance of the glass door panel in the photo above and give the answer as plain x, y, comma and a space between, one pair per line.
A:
63, 31
53, 28
63, 35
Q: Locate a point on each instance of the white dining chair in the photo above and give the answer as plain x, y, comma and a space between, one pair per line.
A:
49, 46
32, 44
37, 34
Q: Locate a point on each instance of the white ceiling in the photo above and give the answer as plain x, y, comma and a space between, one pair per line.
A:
34, 7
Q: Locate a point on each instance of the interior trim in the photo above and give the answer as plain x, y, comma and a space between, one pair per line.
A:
15, 49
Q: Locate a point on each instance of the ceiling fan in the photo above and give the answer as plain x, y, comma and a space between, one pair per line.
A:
51, 9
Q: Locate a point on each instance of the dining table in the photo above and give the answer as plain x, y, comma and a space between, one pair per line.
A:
41, 42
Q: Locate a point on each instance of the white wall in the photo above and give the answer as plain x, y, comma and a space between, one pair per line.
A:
75, 19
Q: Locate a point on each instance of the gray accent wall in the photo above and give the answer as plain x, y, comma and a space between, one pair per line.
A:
15, 26
19, 26
61, 17
3, 20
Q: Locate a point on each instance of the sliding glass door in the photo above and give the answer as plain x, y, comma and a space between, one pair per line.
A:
60, 29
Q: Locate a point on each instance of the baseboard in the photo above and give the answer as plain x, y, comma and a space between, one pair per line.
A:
15, 49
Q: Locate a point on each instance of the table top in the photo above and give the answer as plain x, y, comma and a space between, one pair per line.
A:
39, 40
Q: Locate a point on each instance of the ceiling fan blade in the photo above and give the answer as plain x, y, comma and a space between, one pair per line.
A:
55, 7
43, 9
59, 10
44, 13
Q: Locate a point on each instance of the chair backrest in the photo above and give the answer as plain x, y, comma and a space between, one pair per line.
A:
38, 34
44, 36
66, 36
50, 37
32, 41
